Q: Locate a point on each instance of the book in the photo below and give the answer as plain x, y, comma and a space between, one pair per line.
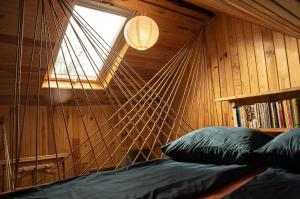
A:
242, 116
275, 118
259, 115
256, 115
239, 117
295, 106
285, 113
272, 115
280, 114
263, 115
289, 114
268, 117
234, 114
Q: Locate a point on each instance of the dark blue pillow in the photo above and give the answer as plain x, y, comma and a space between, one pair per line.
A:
220, 145
283, 150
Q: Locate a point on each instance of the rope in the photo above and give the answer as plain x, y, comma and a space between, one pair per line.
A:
51, 112
146, 119
19, 54
94, 33
8, 168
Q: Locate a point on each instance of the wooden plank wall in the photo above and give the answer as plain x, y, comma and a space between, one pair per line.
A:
108, 154
176, 23
76, 132
280, 15
244, 59
193, 101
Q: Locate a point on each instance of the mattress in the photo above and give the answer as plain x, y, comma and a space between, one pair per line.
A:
159, 178
230, 187
271, 184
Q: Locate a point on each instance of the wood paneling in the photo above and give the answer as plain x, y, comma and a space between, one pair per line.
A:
46, 132
74, 130
279, 15
245, 59
176, 23
261, 60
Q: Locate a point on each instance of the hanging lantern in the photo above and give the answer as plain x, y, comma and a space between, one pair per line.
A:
141, 32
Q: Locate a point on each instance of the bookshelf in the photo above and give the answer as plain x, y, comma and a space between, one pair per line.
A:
270, 96
285, 92
272, 131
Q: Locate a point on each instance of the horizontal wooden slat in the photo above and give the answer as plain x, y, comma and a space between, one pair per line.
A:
279, 15
238, 97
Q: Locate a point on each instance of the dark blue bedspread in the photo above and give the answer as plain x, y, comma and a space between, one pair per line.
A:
271, 184
160, 178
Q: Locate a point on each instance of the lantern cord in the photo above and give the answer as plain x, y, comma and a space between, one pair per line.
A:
116, 120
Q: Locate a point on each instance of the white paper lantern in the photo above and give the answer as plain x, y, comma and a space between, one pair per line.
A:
141, 32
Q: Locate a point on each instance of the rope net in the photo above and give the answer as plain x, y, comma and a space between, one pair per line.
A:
142, 116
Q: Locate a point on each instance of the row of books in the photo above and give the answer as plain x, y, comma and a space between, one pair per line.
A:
280, 114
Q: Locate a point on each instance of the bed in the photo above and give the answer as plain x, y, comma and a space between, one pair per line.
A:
159, 178
274, 183
232, 186
282, 179
206, 163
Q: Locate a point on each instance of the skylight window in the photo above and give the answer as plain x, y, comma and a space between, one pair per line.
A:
107, 25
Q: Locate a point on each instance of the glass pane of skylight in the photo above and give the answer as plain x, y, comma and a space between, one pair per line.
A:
107, 25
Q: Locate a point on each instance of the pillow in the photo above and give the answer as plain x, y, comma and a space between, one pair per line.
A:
283, 150
220, 145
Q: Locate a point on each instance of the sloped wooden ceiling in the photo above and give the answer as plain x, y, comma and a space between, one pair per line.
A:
177, 24
279, 15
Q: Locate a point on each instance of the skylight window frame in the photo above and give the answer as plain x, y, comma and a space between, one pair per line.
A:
119, 45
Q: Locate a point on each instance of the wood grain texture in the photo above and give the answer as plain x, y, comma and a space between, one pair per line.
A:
261, 61
278, 15
176, 23
46, 144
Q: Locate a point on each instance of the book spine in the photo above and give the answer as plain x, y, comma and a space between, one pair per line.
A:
278, 114
263, 113
255, 116
275, 115
272, 115
281, 115
297, 123
289, 114
268, 118
285, 113
234, 114
252, 116
238, 117
295, 104
242, 116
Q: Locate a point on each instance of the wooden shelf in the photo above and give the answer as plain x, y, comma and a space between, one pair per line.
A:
239, 97
272, 131
278, 130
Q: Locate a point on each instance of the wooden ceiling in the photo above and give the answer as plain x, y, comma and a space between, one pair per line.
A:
177, 24
280, 15
178, 21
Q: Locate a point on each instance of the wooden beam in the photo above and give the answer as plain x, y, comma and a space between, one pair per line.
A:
179, 6
267, 13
